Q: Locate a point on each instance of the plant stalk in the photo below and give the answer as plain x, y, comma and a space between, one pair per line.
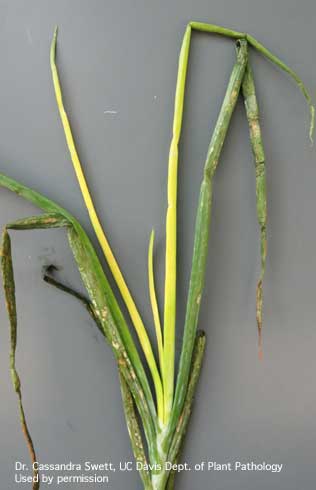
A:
171, 232
202, 227
252, 112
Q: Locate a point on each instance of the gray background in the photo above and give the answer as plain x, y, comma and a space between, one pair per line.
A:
122, 56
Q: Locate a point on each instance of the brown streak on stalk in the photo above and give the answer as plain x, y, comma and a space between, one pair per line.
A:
259, 318
179, 423
29, 442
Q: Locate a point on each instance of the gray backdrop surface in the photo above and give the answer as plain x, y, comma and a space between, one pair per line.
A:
122, 57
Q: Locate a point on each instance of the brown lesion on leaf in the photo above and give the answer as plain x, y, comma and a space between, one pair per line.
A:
52, 221
47, 221
121, 362
254, 127
260, 169
104, 313
234, 96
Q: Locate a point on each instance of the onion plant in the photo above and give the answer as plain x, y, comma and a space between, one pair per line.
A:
157, 401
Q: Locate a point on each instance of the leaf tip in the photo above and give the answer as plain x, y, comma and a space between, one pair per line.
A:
53, 45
